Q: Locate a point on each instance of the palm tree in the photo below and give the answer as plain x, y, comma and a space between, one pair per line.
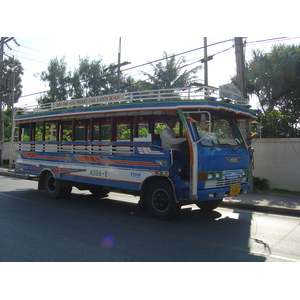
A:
171, 73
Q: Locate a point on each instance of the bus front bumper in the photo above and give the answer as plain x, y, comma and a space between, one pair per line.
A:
220, 193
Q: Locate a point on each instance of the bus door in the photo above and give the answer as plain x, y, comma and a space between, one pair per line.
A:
188, 119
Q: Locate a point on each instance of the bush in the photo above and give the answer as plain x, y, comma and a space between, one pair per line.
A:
260, 184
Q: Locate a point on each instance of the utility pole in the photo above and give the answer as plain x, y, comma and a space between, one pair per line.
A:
3, 42
241, 85
1, 84
205, 62
240, 65
119, 67
12, 134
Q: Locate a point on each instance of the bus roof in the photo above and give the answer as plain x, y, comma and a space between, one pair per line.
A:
155, 102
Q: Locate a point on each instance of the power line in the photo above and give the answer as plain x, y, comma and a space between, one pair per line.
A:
167, 57
38, 50
273, 40
173, 55
141, 65
42, 62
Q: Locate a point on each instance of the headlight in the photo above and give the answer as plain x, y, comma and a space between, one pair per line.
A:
210, 176
218, 175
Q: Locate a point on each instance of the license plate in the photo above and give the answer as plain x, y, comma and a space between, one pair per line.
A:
235, 190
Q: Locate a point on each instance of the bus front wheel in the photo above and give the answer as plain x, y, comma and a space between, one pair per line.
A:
161, 200
54, 187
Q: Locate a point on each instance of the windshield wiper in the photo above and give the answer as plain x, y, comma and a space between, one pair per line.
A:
236, 147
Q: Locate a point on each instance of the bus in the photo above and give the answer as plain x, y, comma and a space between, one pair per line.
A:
112, 143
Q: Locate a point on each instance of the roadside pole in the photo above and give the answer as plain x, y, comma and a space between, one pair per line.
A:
1, 84
241, 85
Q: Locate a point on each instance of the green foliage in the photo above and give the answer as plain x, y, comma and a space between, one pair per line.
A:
12, 77
170, 74
58, 79
274, 78
277, 125
143, 132
7, 124
260, 184
91, 78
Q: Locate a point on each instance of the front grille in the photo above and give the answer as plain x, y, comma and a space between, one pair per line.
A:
224, 182
228, 182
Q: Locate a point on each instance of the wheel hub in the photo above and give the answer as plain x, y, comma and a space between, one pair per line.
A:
161, 200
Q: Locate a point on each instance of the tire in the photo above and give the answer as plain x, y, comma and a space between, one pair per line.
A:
54, 188
161, 200
209, 205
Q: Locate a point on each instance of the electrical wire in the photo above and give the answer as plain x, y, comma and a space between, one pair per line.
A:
141, 65
173, 55
272, 40
161, 59
38, 50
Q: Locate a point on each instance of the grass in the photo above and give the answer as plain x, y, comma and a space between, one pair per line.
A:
281, 192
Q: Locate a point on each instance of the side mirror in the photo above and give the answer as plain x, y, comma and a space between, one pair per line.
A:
256, 129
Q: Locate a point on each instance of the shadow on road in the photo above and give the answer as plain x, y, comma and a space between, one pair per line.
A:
195, 235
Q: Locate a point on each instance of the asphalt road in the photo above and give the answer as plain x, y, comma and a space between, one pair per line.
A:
83, 228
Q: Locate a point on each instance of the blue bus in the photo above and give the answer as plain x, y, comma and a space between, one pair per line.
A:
112, 143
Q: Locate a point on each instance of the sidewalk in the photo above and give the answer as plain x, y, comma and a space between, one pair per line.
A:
275, 203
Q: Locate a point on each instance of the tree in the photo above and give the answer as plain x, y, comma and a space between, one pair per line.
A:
58, 80
277, 125
12, 71
170, 74
91, 78
12, 81
274, 78
87, 79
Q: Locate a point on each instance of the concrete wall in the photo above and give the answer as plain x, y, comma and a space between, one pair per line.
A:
6, 150
277, 160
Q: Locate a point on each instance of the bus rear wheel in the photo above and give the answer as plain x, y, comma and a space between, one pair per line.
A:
161, 200
209, 205
54, 187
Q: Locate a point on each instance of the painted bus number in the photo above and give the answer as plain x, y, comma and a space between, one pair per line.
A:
235, 190
98, 173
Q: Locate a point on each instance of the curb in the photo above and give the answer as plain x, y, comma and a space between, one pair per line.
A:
260, 208
16, 175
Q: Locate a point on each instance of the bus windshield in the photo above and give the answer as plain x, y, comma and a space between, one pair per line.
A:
219, 132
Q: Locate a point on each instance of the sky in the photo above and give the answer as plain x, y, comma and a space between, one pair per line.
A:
35, 54
89, 28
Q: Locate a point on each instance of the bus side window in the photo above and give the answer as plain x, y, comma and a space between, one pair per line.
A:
24, 132
50, 131
38, 132
143, 127
96, 130
124, 129
159, 125
66, 131
82, 130
105, 129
